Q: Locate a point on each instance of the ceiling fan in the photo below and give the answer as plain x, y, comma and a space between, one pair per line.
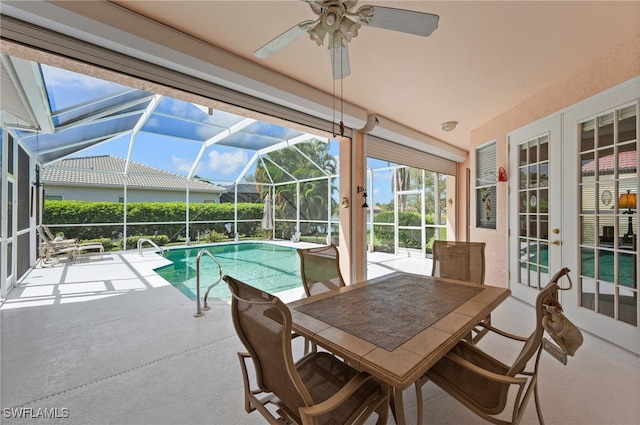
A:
338, 21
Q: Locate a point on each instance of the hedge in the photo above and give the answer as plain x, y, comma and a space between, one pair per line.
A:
87, 212
385, 233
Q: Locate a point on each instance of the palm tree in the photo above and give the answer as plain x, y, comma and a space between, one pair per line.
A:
294, 163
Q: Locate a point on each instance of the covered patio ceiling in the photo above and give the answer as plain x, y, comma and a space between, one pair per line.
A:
56, 114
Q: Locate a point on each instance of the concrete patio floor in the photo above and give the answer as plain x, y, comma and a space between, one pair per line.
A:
110, 342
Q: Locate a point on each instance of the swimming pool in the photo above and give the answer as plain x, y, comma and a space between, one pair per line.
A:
270, 267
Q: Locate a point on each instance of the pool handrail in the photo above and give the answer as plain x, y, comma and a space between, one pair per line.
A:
143, 240
206, 295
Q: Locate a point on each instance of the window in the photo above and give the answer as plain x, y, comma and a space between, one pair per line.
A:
53, 197
486, 179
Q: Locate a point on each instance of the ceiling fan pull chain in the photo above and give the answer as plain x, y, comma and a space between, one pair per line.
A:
341, 94
333, 120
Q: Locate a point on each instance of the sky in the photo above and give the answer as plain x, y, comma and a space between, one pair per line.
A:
176, 149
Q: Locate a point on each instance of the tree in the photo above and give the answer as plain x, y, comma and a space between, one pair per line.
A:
302, 161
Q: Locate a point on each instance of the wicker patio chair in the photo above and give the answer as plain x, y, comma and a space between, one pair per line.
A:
317, 389
482, 382
462, 261
320, 269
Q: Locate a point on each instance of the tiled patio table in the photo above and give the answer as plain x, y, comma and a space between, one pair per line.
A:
397, 326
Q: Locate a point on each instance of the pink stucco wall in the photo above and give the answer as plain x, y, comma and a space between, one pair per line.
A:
616, 66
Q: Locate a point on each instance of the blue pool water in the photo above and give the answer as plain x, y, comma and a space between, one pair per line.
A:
270, 267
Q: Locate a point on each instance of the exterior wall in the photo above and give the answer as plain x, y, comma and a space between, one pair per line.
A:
615, 67
97, 194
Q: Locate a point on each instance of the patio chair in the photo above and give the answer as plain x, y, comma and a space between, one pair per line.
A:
46, 233
461, 261
320, 269
481, 382
317, 389
50, 250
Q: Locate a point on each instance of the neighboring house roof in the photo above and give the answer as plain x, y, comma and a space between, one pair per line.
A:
247, 192
627, 162
108, 170
242, 188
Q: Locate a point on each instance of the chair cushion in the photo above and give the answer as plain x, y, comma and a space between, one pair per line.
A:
489, 395
324, 375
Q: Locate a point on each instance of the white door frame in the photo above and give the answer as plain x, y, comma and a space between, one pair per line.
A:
551, 127
620, 333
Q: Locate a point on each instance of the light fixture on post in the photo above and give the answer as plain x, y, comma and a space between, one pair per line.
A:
629, 201
363, 190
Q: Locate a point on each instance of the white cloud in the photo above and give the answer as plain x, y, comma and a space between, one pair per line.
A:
181, 165
227, 163
74, 81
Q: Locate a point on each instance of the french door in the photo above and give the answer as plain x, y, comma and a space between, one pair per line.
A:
602, 135
573, 202
535, 207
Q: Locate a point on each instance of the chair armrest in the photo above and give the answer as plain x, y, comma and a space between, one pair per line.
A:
503, 333
308, 413
483, 372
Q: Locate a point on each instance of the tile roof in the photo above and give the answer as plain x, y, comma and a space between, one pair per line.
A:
107, 170
626, 160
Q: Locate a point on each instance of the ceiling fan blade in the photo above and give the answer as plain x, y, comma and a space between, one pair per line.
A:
408, 21
340, 61
283, 39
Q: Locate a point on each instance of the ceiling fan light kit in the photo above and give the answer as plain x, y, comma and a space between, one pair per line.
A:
335, 20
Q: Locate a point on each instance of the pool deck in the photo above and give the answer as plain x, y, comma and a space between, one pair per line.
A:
110, 342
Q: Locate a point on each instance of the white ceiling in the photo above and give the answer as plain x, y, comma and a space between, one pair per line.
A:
484, 58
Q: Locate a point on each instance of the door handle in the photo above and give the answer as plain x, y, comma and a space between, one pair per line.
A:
556, 243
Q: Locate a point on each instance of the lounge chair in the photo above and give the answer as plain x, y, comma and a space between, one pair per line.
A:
52, 247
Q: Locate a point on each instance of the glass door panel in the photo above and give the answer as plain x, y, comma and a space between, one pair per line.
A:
608, 185
533, 211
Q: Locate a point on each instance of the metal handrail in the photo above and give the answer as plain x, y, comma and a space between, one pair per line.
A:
141, 241
206, 295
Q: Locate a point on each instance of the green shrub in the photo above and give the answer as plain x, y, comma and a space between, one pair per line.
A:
214, 236
145, 213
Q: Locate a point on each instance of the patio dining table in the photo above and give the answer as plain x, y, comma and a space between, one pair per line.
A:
397, 326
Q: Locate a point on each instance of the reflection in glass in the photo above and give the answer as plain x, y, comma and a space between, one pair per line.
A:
606, 299
587, 230
544, 201
533, 151
627, 270
605, 130
587, 136
588, 262
523, 154
628, 306
588, 294
544, 175
606, 162
524, 177
627, 124
605, 265
587, 195
544, 255
544, 148
533, 228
